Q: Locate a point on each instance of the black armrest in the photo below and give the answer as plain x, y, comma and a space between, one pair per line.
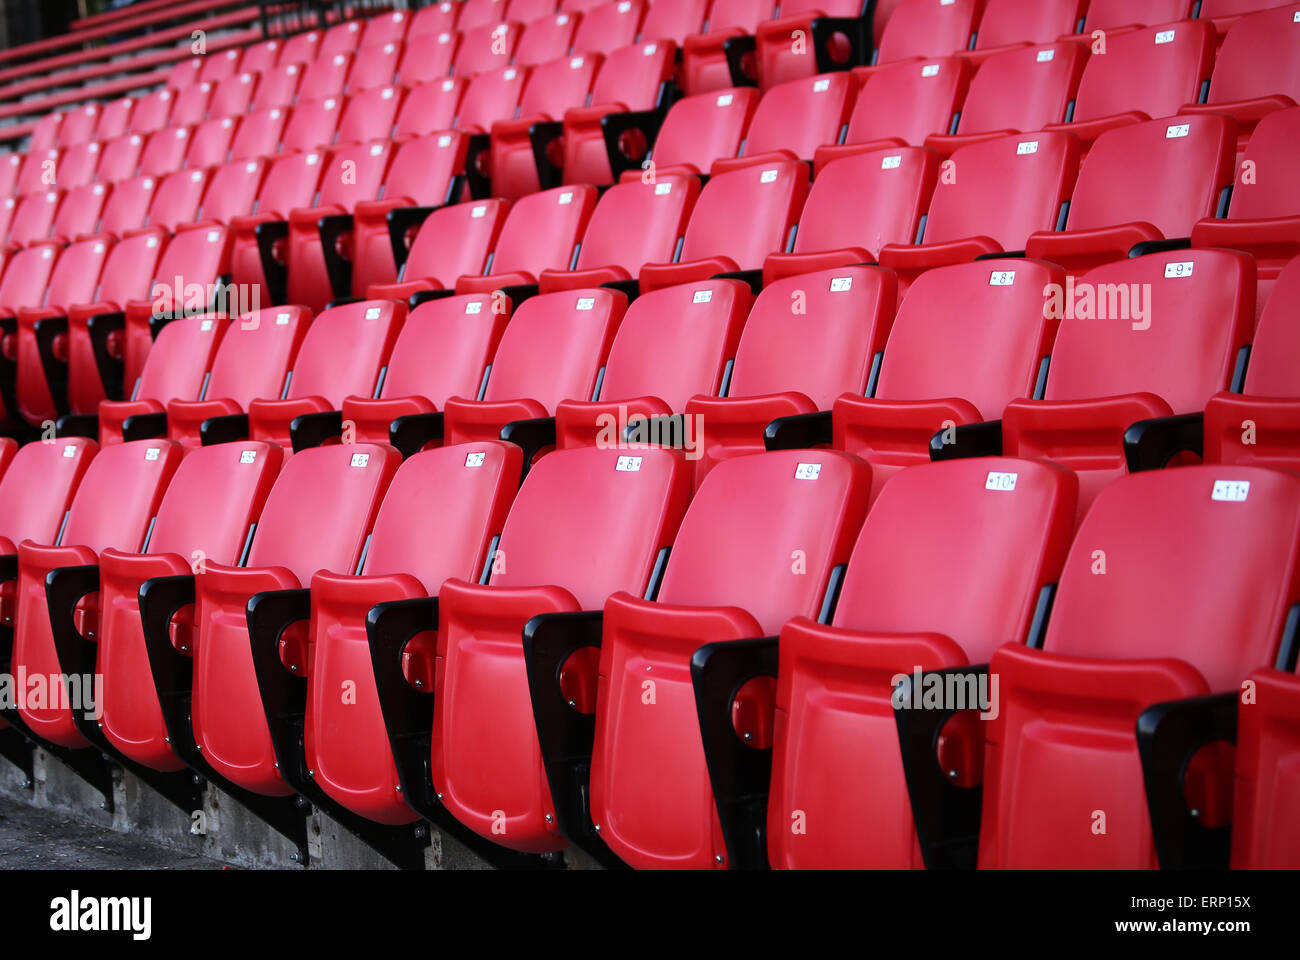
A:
519, 292
531, 435
56, 370
312, 429
615, 125
144, 426
284, 695
77, 425
343, 301
173, 671
752, 277
338, 267
1168, 734
400, 221
109, 367
968, 440
565, 735
799, 432
736, 49
408, 434
65, 587
541, 135
1150, 444
408, 713
857, 30
1003, 255
8, 571
739, 773
947, 816
630, 287
424, 296
1159, 246
276, 273
667, 431
224, 429
480, 183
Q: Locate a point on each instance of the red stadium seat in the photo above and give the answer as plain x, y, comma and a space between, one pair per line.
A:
1263, 837
453, 241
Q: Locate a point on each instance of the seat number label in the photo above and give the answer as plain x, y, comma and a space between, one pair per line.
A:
1165, 36
1029, 146
1002, 278
247, 456
1176, 270
1177, 130
628, 464
152, 453
475, 459
840, 284
808, 471
891, 163
1001, 481
360, 459
1231, 491
586, 303
702, 296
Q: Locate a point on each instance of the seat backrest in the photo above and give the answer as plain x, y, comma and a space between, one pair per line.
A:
119, 494
1006, 189
609, 26
278, 86
312, 124
129, 269
77, 165
867, 200
928, 28
185, 73
1258, 59
976, 331
427, 58
26, 277
10, 164
164, 151
120, 158
557, 85
909, 553
290, 183
128, 204
743, 14
1209, 561
233, 95
355, 173
633, 75
1275, 354
1171, 324
909, 100
746, 214
326, 76
233, 189
555, 346
1185, 163
1268, 192
193, 257
80, 211
593, 522
1027, 21
259, 134
191, 104
546, 39
219, 66
215, 496
660, 210
429, 106
455, 241
374, 67
473, 484
34, 216
114, 119
434, 19
210, 143
491, 95
341, 38
177, 199
817, 334
424, 168
345, 350
256, 355
1154, 71
260, 57
301, 47
1023, 89
37, 488
675, 342
673, 20
152, 111
179, 359
703, 128
488, 46
477, 13
445, 349
801, 115
750, 516
78, 125
77, 272
542, 229
386, 28
1110, 14
344, 483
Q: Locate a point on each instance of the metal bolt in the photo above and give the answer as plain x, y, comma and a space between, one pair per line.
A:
311, 773
184, 648
167, 740
103, 805
1195, 812
440, 798
549, 818
399, 788
717, 858
90, 634
27, 784
748, 735
277, 764
574, 704
293, 667
419, 684
295, 857
597, 828
952, 774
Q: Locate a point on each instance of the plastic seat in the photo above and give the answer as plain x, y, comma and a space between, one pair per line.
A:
290, 184
740, 217
259, 134
804, 41
730, 577
928, 28
1262, 836
1120, 643
453, 241
1187, 166
490, 96
427, 59
115, 502
793, 119
704, 57
429, 107
343, 37
164, 151
260, 57
609, 251
210, 143
857, 205
219, 66
301, 47
608, 26
1011, 23
177, 200
991, 196
375, 67
114, 120
1171, 347
253, 360
278, 87
311, 125
386, 28
554, 348
698, 130
77, 165
546, 39
632, 79
233, 190
477, 13
541, 232
808, 340
433, 19
326, 76
1143, 75
488, 46
191, 105
207, 515
1116, 16
233, 95
152, 111
78, 125
345, 484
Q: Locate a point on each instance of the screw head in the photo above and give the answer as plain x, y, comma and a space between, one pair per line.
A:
277, 764
440, 798
185, 648
748, 735
952, 774
717, 858
419, 684
399, 788
27, 784
293, 667
549, 818
167, 740
597, 828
